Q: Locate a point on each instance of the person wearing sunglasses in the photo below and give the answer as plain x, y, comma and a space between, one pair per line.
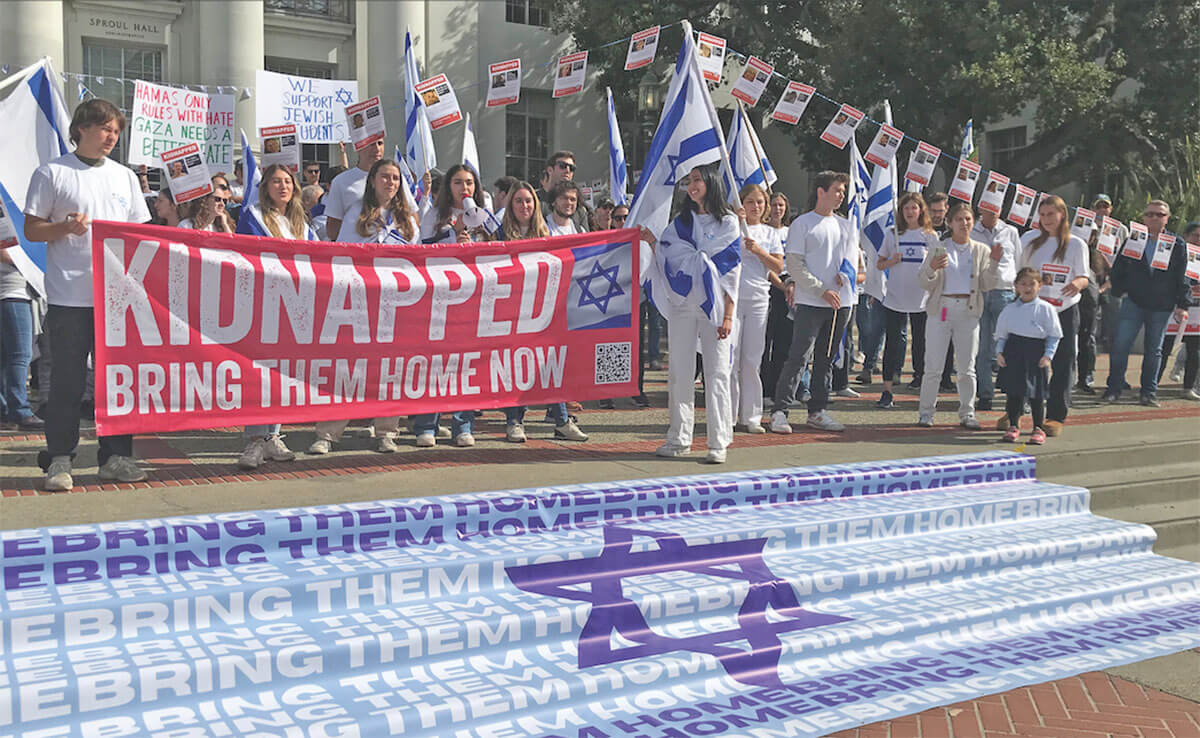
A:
312, 173
208, 214
561, 166
1151, 295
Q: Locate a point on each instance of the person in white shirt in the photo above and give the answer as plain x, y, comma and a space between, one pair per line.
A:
564, 201
1004, 242
953, 273
208, 214
346, 189
821, 284
762, 255
1027, 334
65, 195
901, 256
1061, 259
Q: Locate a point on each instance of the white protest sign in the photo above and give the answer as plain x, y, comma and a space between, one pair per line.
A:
572, 71
1193, 266
992, 198
1081, 226
753, 80
187, 174
883, 149
440, 101
642, 47
279, 146
710, 52
841, 128
966, 179
793, 102
921, 163
165, 118
1022, 205
1135, 245
317, 107
1106, 243
504, 83
8, 233
366, 122
1163, 246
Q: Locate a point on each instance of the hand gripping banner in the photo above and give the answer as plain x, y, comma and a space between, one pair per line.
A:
199, 330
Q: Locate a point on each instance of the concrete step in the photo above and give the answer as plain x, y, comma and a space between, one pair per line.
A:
1177, 445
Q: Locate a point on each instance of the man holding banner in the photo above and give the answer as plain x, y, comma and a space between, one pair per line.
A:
65, 196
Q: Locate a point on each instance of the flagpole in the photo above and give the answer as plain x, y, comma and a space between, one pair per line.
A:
758, 157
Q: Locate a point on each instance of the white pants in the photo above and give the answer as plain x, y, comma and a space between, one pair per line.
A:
749, 339
331, 430
950, 319
682, 336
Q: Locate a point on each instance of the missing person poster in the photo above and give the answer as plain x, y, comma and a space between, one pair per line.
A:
187, 174
504, 83
966, 178
1135, 245
440, 102
841, 128
710, 52
1022, 205
1106, 242
1163, 246
884, 147
280, 146
751, 83
366, 122
921, 163
1083, 223
1193, 268
642, 47
992, 199
571, 74
793, 102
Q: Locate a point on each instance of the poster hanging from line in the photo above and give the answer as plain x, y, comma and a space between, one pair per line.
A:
792, 103
992, 199
165, 118
642, 47
921, 163
1022, 205
1192, 270
966, 179
504, 83
571, 74
1163, 246
841, 127
710, 53
187, 175
316, 106
1106, 243
751, 83
883, 149
1135, 245
280, 145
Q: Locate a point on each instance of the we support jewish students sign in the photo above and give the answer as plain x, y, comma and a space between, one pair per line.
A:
202, 330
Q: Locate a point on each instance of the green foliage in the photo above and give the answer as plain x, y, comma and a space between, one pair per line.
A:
1179, 187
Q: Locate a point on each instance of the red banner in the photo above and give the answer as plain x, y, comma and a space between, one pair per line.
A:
198, 330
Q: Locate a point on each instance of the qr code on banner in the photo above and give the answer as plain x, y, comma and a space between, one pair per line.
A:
614, 363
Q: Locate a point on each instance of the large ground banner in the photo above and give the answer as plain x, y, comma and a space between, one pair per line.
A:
201, 330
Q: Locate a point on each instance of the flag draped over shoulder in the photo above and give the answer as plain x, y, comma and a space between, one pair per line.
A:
617, 175
684, 276
746, 155
253, 179
418, 135
36, 123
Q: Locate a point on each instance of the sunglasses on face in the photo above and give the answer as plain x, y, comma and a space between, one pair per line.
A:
565, 165
312, 171
221, 200
620, 217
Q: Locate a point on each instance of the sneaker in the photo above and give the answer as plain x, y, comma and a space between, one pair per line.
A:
885, 401
947, 387
755, 427
1038, 437
970, 423
641, 401
1085, 388
31, 423
320, 447
715, 456
1191, 394
779, 423
984, 404
1110, 397
606, 405
568, 431
824, 421
1012, 434
386, 444
925, 421
1150, 401
1052, 428
252, 456
427, 439
274, 450
847, 392
464, 440
443, 433
515, 433
657, 366
58, 475
915, 383
671, 450
863, 378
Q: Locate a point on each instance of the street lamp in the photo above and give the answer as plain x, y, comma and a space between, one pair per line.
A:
649, 100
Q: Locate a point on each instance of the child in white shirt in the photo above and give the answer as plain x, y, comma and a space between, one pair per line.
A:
1027, 334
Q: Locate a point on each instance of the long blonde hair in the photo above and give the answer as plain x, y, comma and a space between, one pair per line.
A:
293, 211
1064, 229
537, 222
923, 220
370, 219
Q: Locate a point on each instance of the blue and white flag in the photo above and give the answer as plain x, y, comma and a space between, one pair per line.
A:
253, 179
253, 223
470, 151
746, 155
880, 214
418, 135
600, 294
688, 135
410, 184
684, 277
36, 123
968, 142
856, 192
618, 176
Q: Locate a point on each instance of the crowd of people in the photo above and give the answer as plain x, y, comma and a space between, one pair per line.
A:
778, 311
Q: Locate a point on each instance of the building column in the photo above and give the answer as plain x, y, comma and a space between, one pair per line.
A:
232, 33
384, 38
32, 29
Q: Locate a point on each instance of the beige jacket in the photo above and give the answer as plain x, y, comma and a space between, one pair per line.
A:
982, 272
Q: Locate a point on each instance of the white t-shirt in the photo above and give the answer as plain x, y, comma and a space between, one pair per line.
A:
345, 191
12, 284
904, 292
1006, 235
1073, 265
1033, 319
187, 223
958, 268
820, 239
108, 191
754, 285
556, 230
429, 221
392, 234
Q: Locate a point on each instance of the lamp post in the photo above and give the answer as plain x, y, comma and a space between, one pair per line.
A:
649, 100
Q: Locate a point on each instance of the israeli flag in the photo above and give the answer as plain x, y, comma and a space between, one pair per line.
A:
470, 157
600, 294
880, 215
860, 185
253, 179
617, 174
418, 135
968, 142
253, 223
685, 277
688, 135
746, 156
410, 184
36, 123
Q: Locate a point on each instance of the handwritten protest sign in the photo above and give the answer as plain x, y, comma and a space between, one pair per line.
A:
316, 106
165, 118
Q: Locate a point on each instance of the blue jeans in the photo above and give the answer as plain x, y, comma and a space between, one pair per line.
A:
16, 351
1130, 318
460, 422
556, 411
993, 302
870, 321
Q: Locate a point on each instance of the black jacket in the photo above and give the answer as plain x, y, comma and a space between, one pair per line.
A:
1150, 288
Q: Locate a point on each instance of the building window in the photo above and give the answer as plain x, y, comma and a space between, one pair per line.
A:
527, 136
308, 151
334, 10
1004, 145
111, 73
528, 12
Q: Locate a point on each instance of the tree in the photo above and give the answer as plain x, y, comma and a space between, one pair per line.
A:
1113, 83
